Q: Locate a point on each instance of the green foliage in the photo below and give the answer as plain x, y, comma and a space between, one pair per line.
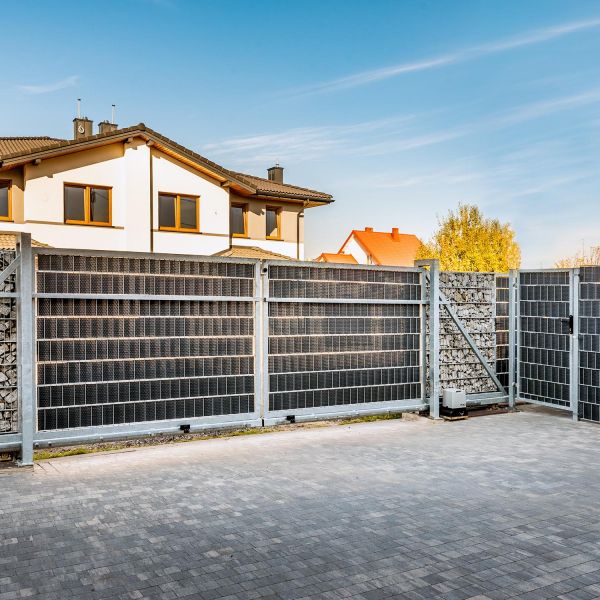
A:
467, 241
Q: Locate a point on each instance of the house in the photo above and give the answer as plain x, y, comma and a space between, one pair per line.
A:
370, 247
134, 189
332, 257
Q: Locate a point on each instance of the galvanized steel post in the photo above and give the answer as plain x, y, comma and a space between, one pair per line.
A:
574, 346
25, 336
434, 339
512, 334
264, 335
258, 349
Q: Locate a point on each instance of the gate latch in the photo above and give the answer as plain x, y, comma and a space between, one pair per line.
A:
568, 322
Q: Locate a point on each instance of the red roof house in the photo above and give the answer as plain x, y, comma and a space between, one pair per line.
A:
376, 248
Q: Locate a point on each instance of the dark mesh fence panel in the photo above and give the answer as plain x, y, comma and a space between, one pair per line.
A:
544, 304
502, 329
589, 344
334, 354
113, 361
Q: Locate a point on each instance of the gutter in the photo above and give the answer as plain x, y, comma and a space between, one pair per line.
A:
296, 197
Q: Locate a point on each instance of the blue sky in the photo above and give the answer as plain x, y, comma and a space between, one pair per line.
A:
400, 109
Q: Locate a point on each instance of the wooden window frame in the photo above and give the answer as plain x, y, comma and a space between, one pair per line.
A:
277, 210
87, 204
178, 227
10, 211
244, 208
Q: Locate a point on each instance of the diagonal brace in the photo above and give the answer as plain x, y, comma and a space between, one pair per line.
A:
12, 267
471, 342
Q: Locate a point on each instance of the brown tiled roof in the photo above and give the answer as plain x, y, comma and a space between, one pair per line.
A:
8, 241
12, 145
332, 257
44, 147
250, 252
273, 188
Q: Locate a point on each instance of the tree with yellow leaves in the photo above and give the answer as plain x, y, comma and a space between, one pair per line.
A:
580, 260
467, 241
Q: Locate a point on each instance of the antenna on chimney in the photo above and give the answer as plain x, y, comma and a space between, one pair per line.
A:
114, 111
79, 108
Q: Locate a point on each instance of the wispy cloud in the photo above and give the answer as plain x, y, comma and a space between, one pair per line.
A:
303, 143
383, 136
537, 110
527, 39
47, 88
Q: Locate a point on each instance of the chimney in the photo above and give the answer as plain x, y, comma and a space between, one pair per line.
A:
368, 229
107, 127
276, 173
82, 127
395, 234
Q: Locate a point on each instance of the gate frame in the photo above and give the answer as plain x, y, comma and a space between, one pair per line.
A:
274, 417
574, 293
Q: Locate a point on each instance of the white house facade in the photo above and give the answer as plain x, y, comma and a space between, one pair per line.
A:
133, 189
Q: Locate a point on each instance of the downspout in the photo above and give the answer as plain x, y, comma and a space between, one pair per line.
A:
300, 214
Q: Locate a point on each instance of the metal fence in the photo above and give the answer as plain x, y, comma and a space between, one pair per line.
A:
99, 345
589, 344
124, 340
340, 338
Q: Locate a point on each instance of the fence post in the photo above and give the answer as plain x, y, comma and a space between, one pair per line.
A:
25, 336
264, 339
574, 349
258, 348
512, 325
434, 339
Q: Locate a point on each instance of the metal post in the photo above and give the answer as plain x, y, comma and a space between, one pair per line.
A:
258, 349
517, 326
574, 346
265, 340
423, 338
25, 335
434, 339
512, 299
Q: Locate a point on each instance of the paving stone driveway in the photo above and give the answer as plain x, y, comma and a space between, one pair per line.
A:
494, 507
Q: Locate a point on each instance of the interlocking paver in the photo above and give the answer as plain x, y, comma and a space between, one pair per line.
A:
491, 508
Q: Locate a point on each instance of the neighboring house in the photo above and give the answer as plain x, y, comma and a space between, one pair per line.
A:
134, 189
8, 241
370, 247
330, 257
251, 252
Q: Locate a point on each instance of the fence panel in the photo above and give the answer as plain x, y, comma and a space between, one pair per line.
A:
124, 340
473, 298
342, 339
9, 400
502, 329
589, 340
544, 337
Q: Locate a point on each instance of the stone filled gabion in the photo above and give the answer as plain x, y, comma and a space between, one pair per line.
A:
472, 296
9, 415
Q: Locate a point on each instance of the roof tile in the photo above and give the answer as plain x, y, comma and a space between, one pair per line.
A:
388, 248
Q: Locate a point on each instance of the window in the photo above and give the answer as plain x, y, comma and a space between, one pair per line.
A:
273, 222
178, 213
87, 204
238, 219
5, 201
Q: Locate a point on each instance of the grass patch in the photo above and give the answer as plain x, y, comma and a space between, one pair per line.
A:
370, 418
178, 438
46, 454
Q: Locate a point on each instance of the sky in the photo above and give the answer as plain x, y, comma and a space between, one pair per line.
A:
400, 109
